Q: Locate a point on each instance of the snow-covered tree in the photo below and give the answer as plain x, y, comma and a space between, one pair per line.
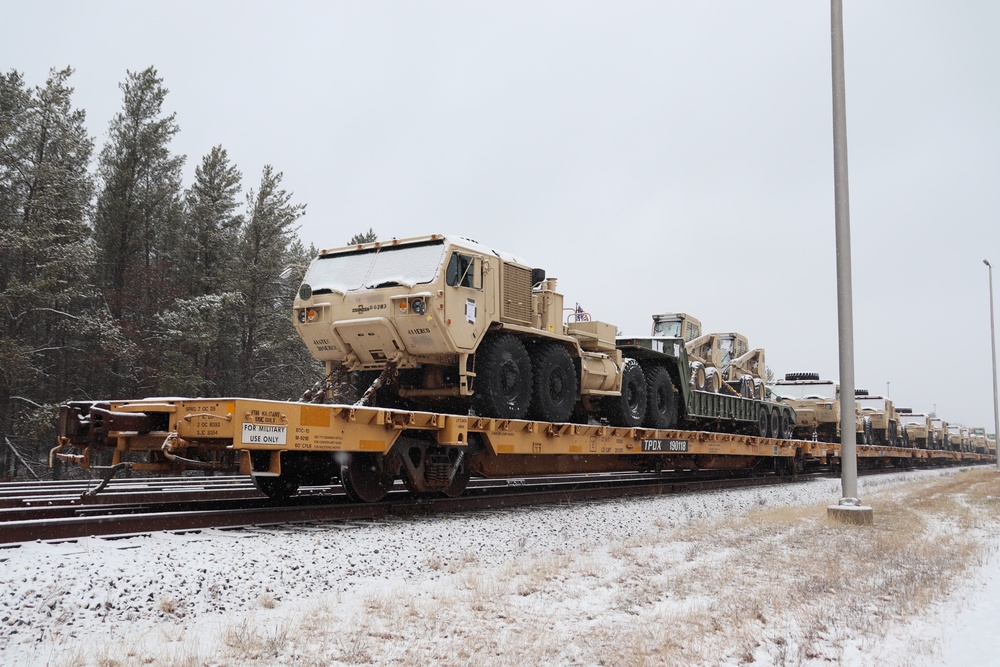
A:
45, 254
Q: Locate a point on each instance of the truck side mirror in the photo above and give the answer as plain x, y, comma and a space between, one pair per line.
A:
537, 276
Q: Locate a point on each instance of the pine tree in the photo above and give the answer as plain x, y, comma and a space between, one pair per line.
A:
364, 237
138, 206
45, 256
273, 361
135, 227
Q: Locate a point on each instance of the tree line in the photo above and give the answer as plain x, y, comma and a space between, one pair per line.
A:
118, 281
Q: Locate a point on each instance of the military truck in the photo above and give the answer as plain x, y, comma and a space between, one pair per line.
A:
463, 325
916, 428
882, 415
816, 403
447, 322
939, 434
719, 361
978, 439
957, 440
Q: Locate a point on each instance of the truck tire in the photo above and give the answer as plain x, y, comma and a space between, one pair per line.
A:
801, 376
555, 388
774, 428
787, 426
713, 381
661, 398
763, 421
503, 378
869, 430
629, 409
698, 375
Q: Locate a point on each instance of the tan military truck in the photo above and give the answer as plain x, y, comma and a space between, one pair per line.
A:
939, 434
465, 325
882, 415
816, 403
916, 427
977, 435
956, 439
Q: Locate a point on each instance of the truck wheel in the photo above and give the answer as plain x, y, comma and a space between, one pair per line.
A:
698, 375
661, 398
503, 378
555, 392
787, 426
629, 409
713, 381
792, 377
869, 429
763, 421
774, 427
281, 487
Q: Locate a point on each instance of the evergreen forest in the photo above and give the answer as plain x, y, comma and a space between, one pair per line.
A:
118, 280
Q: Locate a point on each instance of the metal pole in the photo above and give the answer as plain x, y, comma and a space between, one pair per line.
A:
993, 342
845, 307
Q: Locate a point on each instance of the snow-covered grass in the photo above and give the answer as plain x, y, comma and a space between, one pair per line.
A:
753, 576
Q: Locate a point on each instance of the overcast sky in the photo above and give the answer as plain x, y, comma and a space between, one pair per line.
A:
654, 156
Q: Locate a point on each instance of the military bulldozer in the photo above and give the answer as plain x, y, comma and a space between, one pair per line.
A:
720, 362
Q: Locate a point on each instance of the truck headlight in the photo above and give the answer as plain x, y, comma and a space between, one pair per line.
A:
419, 306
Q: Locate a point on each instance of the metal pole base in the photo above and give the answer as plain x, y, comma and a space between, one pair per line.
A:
851, 511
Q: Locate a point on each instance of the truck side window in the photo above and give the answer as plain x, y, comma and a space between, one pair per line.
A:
463, 271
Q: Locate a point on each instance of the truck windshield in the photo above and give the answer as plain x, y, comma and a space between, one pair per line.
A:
827, 390
667, 329
870, 402
919, 420
372, 268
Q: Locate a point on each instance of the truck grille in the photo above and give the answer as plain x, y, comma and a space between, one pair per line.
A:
516, 306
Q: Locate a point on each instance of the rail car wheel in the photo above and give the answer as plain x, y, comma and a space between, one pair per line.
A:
661, 398
503, 378
459, 482
364, 478
629, 409
763, 421
280, 487
774, 426
554, 393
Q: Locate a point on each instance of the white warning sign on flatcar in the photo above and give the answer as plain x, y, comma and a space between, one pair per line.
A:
664, 445
264, 434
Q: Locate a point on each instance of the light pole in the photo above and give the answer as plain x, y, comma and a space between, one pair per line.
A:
993, 344
849, 509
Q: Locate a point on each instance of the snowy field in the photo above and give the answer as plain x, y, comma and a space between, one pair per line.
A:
730, 578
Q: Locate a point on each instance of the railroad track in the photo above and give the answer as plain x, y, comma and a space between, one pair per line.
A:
52, 511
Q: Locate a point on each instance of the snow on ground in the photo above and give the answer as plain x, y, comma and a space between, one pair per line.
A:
371, 592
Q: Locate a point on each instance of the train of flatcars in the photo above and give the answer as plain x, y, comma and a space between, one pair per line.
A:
468, 366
